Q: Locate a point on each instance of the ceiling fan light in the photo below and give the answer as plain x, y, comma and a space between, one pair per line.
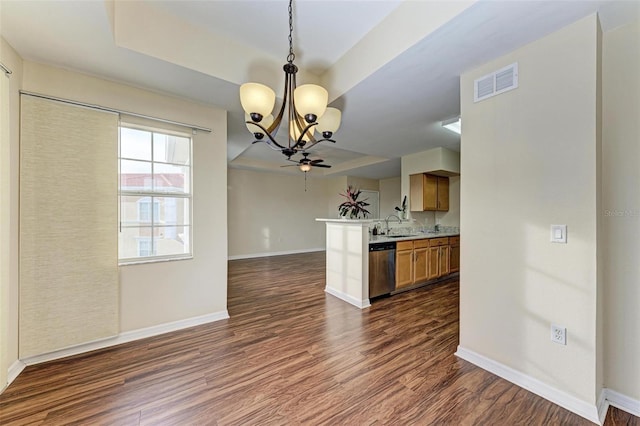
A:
311, 101
257, 98
329, 121
265, 122
305, 167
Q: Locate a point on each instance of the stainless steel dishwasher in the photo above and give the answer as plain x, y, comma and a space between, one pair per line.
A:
382, 268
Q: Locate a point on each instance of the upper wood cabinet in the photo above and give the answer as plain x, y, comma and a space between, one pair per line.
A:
429, 193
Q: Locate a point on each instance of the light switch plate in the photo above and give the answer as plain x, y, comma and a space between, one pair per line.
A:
559, 234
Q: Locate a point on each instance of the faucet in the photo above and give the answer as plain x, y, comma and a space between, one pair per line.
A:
386, 221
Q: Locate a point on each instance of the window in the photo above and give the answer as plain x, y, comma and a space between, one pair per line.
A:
155, 195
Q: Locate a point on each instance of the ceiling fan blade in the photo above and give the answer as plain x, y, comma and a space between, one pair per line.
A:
290, 165
325, 166
319, 160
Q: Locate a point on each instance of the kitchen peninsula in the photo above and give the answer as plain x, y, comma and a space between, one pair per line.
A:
347, 258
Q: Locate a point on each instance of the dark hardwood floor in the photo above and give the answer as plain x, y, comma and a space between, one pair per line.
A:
289, 354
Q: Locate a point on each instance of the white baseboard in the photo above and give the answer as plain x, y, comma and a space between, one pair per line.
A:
349, 299
125, 337
623, 402
603, 406
14, 370
274, 253
561, 398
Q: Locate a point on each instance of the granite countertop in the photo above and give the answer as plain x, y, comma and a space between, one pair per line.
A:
419, 236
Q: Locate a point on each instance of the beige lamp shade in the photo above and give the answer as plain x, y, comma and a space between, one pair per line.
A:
305, 167
329, 121
310, 99
266, 122
257, 98
294, 131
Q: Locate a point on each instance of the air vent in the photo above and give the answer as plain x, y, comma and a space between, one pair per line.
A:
497, 82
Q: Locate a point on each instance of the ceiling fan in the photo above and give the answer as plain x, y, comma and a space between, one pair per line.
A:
306, 163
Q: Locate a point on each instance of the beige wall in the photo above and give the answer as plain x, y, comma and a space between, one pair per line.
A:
10, 158
434, 160
621, 208
158, 293
528, 161
271, 213
390, 196
363, 183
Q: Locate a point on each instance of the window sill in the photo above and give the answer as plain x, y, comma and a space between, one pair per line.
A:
156, 260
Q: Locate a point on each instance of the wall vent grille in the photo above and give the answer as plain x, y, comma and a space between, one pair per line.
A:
497, 82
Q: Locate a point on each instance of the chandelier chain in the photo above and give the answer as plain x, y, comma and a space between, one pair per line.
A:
291, 57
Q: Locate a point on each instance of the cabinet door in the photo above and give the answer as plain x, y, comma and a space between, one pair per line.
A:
430, 192
420, 264
404, 268
444, 261
443, 194
415, 193
433, 261
454, 258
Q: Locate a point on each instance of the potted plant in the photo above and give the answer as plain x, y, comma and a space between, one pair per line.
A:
403, 210
352, 207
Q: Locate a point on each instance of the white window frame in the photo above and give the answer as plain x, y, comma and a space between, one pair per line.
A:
150, 195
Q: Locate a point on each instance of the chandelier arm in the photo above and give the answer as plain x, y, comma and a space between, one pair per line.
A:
317, 142
299, 141
269, 144
267, 133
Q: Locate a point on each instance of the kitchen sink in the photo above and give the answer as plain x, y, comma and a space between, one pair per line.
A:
401, 236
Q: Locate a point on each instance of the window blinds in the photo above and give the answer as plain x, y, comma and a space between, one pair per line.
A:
69, 292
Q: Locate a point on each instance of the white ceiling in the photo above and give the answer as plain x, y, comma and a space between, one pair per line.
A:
393, 109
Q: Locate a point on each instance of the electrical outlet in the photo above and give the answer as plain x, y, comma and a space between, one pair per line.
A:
558, 334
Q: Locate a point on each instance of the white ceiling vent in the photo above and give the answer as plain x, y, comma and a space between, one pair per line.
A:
497, 82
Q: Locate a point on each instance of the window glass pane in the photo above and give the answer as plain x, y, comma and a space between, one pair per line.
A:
135, 144
172, 211
171, 149
135, 211
135, 176
169, 178
129, 241
172, 240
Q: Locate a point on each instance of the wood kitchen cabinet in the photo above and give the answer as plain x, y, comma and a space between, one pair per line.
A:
438, 257
429, 193
412, 262
418, 261
420, 264
454, 255
404, 264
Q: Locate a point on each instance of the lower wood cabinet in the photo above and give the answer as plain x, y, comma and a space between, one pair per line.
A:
454, 255
438, 257
420, 263
421, 260
404, 264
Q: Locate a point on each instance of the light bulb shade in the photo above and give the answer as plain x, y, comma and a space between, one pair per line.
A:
329, 121
305, 167
266, 122
294, 131
310, 99
257, 98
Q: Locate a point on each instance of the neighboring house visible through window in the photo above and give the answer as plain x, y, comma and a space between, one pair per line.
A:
155, 194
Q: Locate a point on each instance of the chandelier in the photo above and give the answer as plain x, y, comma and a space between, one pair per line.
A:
306, 109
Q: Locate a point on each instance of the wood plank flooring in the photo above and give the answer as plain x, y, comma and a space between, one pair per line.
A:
290, 354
